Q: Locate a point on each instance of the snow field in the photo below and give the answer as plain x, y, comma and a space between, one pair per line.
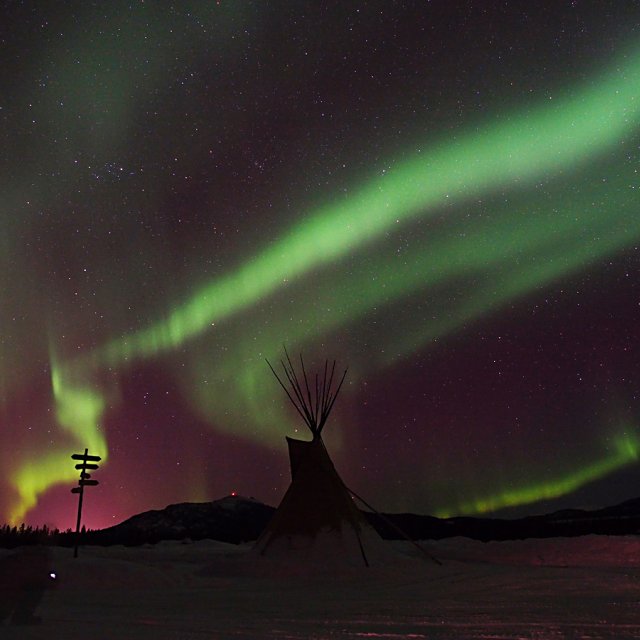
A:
582, 588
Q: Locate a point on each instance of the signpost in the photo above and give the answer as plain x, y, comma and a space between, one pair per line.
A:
87, 462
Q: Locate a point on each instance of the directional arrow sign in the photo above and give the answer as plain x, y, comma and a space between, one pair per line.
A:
85, 476
87, 483
86, 458
86, 466
76, 490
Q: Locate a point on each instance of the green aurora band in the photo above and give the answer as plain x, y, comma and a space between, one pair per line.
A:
509, 154
532, 251
626, 451
514, 152
78, 412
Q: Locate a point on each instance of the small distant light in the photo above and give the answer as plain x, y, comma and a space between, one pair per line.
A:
53, 575
233, 493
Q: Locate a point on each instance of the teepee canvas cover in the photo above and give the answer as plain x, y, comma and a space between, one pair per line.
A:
317, 517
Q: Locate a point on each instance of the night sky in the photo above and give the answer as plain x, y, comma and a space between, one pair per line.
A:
443, 196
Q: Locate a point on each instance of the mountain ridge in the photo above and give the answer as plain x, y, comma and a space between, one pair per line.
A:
236, 519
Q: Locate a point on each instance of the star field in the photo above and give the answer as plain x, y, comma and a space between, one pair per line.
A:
441, 195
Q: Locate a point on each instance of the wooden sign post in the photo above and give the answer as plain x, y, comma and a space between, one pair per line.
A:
87, 462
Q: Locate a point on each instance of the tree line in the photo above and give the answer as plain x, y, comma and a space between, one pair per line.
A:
25, 535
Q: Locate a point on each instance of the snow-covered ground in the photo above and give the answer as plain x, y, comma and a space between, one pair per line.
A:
585, 587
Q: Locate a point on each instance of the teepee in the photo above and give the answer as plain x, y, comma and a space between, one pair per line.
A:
317, 519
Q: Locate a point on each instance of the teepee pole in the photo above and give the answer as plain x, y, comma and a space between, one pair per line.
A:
333, 399
395, 527
293, 402
295, 384
306, 384
364, 555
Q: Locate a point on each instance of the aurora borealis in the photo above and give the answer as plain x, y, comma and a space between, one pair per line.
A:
444, 196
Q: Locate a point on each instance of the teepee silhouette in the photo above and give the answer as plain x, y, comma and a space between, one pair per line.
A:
317, 516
